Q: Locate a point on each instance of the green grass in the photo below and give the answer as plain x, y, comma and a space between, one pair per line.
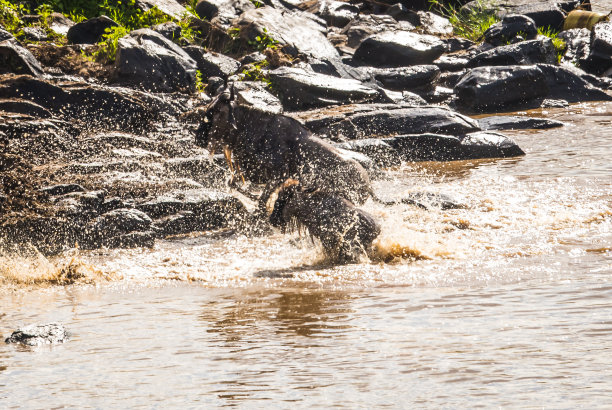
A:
559, 44
470, 25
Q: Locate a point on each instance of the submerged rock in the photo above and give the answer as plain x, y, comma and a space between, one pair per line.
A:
511, 122
153, 62
300, 89
36, 335
398, 48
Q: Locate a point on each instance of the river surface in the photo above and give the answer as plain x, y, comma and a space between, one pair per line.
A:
506, 303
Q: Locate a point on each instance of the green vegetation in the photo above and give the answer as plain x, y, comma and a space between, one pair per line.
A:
559, 44
109, 44
254, 72
10, 15
471, 24
263, 41
199, 84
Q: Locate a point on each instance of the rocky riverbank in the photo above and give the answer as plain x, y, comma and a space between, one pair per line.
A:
97, 137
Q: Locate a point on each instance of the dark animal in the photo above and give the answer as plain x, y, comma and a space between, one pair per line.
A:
307, 181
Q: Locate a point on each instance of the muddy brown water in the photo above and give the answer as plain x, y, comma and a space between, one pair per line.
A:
507, 303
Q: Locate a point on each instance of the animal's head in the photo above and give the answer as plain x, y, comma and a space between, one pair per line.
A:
219, 121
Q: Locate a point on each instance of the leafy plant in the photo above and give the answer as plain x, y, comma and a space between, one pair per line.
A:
10, 15
257, 3
469, 24
199, 83
109, 44
559, 44
254, 72
263, 41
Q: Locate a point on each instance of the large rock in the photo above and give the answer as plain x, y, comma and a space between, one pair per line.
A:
18, 60
488, 144
89, 31
222, 12
336, 13
153, 62
300, 89
36, 335
567, 83
366, 25
511, 26
255, 94
512, 122
600, 57
357, 122
170, 7
212, 64
418, 77
5, 35
399, 48
433, 24
296, 31
523, 53
578, 43
94, 105
490, 88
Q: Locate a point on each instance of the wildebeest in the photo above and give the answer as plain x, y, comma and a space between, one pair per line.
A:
272, 149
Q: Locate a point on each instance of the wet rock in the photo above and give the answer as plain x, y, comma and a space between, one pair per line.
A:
488, 144
428, 200
256, 95
511, 122
212, 64
357, 122
153, 62
578, 42
455, 44
449, 62
397, 49
544, 14
550, 103
523, 53
600, 57
337, 13
369, 24
170, 30
94, 105
417, 77
36, 335
130, 240
60, 24
207, 9
107, 229
50, 235
24, 107
89, 31
383, 154
490, 88
426, 147
401, 98
434, 24
170, 7
215, 205
402, 13
222, 12
18, 60
510, 26
566, 84
62, 189
5, 35
301, 89
35, 34
296, 31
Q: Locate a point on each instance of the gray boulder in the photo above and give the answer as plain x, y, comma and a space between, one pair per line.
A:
398, 49
381, 152
491, 88
170, 7
212, 64
488, 144
567, 83
600, 57
5, 35
300, 89
18, 60
511, 25
578, 43
256, 95
60, 24
433, 24
37, 335
170, 30
89, 31
523, 53
296, 31
417, 77
337, 13
222, 12
153, 62
378, 120
366, 25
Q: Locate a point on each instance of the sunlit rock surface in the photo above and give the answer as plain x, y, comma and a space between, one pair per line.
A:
36, 335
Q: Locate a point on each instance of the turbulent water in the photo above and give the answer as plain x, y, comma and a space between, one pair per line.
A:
507, 302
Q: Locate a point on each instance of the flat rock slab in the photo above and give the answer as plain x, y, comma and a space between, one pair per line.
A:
407, 78
297, 31
212, 64
153, 62
511, 122
300, 89
37, 335
523, 53
373, 120
398, 49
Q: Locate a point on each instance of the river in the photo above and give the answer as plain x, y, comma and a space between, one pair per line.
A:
506, 303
